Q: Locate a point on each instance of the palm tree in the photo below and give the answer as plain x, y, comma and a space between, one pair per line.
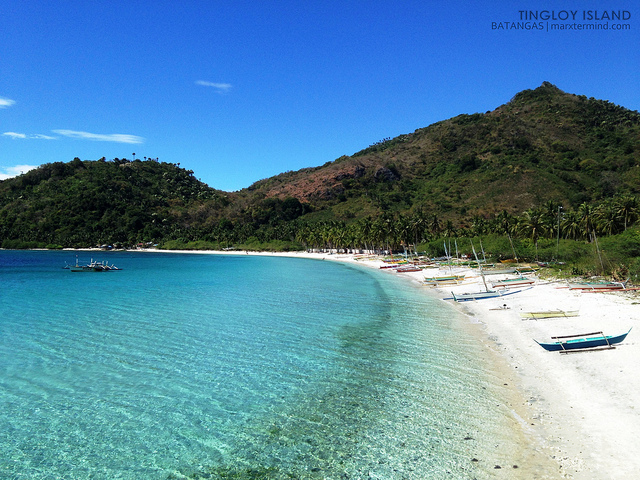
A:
608, 219
532, 225
586, 217
628, 208
418, 225
303, 235
434, 225
339, 235
365, 227
314, 237
504, 223
570, 225
478, 226
550, 214
450, 230
385, 231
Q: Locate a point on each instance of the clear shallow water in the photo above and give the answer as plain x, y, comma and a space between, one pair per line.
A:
204, 366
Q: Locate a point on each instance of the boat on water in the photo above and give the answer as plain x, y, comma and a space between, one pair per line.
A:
550, 314
93, 266
582, 341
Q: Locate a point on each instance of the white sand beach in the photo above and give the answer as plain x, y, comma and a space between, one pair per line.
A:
579, 408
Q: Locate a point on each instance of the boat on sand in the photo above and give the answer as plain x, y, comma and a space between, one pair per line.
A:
465, 297
582, 341
550, 314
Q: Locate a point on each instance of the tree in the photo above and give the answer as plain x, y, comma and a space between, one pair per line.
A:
504, 223
586, 218
608, 219
570, 225
532, 225
627, 207
434, 225
450, 230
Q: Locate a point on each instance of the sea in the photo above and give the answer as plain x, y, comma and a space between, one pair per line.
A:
191, 366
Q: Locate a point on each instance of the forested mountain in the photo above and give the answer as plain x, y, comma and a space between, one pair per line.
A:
95, 202
542, 150
543, 145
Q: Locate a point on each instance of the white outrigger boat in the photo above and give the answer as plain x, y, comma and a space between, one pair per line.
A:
92, 266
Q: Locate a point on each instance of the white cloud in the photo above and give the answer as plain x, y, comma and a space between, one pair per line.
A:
10, 172
37, 136
14, 135
220, 87
6, 102
113, 137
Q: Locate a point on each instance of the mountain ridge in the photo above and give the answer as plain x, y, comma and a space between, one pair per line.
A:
544, 145
542, 126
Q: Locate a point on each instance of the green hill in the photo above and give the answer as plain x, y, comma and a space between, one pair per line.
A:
543, 148
543, 145
84, 203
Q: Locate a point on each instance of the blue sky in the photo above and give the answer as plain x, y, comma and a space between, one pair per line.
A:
240, 91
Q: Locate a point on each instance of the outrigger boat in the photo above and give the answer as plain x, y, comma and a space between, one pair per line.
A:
465, 297
598, 287
550, 314
408, 268
499, 271
445, 278
513, 282
93, 266
582, 341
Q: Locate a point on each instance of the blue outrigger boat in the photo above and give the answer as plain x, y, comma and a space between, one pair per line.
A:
582, 341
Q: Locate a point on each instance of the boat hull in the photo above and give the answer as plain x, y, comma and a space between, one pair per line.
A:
467, 297
550, 314
582, 343
92, 267
512, 283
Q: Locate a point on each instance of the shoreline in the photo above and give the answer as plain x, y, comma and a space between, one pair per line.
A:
577, 410
579, 407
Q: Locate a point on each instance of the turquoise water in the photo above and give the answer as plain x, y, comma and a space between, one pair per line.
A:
206, 366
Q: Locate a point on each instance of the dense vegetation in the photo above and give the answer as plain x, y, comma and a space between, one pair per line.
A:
542, 145
546, 176
84, 203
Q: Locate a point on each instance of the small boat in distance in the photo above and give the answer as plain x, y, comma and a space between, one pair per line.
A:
582, 341
92, 266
